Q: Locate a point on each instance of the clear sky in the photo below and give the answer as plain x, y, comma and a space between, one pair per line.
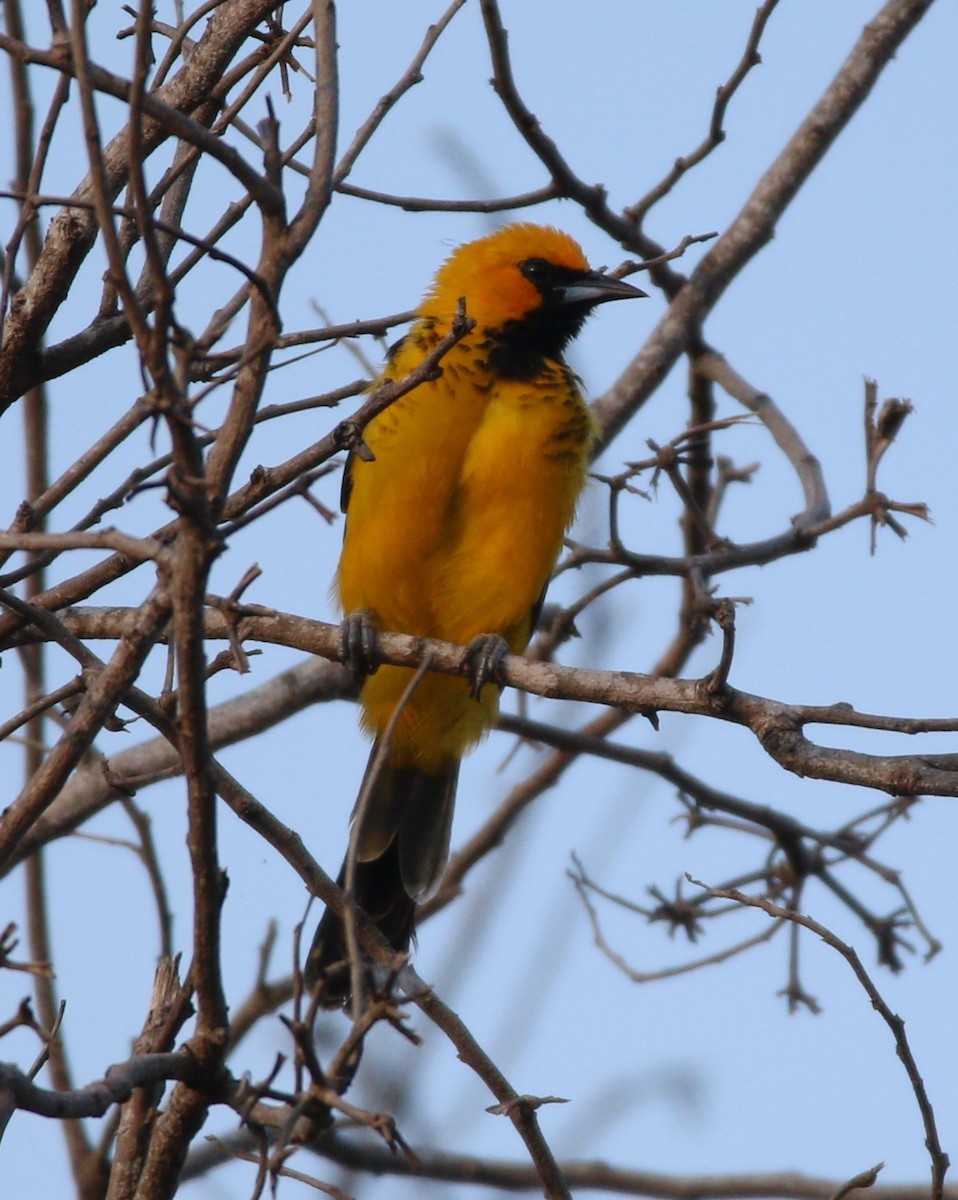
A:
707, 1072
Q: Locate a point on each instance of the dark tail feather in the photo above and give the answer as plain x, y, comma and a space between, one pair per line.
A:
402, 847
379, 892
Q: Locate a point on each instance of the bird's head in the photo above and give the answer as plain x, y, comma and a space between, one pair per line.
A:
529, 286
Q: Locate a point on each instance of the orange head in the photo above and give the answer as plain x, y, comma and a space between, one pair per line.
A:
528, 282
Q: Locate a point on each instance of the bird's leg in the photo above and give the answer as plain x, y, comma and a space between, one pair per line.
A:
359, 642
486, 658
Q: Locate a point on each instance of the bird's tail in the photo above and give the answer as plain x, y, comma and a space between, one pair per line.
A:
402, 844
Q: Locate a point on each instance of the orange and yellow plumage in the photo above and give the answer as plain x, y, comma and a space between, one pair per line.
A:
454, 526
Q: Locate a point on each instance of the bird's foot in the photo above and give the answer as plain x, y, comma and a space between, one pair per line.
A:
359, 642
486, 657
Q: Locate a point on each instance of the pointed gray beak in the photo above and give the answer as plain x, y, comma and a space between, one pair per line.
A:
592, 287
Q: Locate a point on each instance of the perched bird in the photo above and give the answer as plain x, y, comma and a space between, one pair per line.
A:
452, 531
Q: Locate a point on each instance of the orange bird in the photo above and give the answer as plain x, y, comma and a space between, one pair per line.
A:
452, 531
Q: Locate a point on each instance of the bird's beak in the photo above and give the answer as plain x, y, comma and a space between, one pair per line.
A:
592, 287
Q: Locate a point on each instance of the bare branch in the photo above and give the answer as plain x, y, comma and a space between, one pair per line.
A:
777, 725
939, 1159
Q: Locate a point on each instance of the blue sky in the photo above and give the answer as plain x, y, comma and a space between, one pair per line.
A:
707, 1072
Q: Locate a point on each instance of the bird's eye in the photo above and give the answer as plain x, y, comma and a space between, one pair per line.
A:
537, 270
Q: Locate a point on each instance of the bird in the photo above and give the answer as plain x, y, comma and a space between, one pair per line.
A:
454, 523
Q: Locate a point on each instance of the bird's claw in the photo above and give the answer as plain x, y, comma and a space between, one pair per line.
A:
486, 658
359, 642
